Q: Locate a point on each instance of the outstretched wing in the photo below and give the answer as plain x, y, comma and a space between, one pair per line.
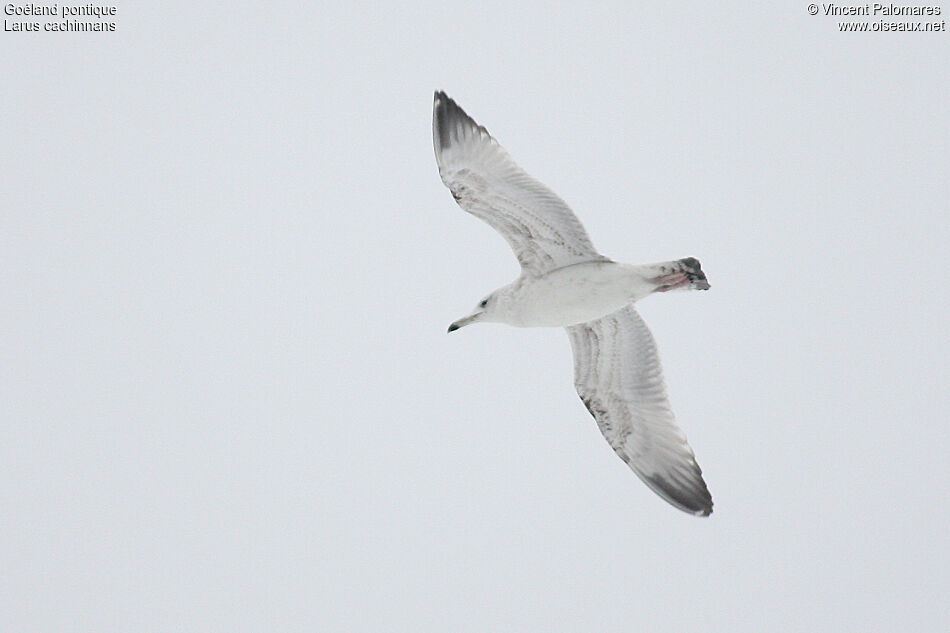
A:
618, 376
542, 230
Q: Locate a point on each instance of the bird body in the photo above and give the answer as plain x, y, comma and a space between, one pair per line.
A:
572, 294
566, 282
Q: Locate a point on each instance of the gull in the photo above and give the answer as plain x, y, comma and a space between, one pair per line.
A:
565, 282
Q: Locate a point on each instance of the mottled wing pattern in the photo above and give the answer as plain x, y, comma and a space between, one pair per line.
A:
542, 230
618, 376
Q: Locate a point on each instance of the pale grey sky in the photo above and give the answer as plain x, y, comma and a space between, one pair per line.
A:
227, 262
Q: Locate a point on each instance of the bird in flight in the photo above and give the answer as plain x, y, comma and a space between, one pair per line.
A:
565, 282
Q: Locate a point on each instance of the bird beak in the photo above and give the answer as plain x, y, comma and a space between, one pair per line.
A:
463, 322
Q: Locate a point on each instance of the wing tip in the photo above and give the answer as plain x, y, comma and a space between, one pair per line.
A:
689, 494
704, 511
445, 117
451, 124
697, 502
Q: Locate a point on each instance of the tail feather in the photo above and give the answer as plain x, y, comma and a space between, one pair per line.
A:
694, 272
683, 273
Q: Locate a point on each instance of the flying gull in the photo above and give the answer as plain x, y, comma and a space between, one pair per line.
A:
565, 282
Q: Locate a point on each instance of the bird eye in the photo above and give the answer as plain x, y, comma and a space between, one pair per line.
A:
483, 303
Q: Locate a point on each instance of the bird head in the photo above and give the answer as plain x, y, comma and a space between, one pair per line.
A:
483, 312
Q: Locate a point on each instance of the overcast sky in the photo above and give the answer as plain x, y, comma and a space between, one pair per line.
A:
227, 262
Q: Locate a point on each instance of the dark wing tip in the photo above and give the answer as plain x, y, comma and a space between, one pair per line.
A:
450, 123
446, 115
446, 108
704, 509
689, 496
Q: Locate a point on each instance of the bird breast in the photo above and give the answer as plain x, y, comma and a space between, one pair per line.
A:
576, 294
